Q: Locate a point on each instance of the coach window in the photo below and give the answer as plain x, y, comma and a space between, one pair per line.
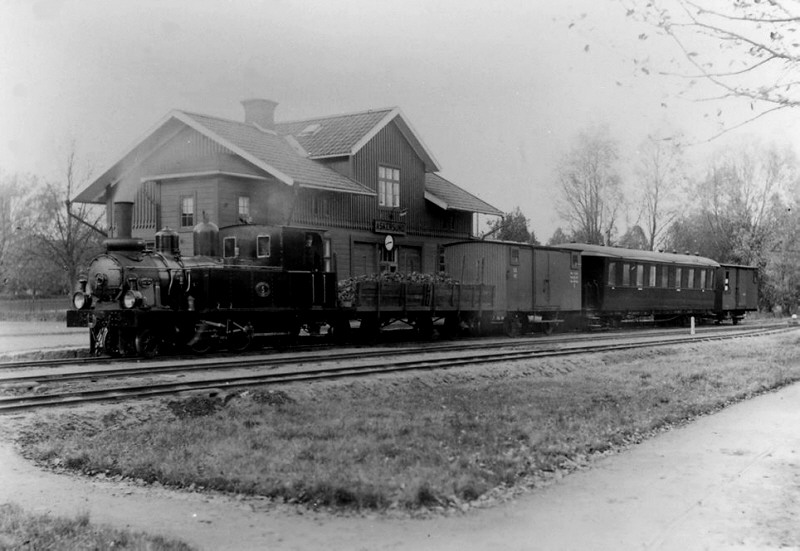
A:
515, 256
327, 255
652, 281
626, 274
690, 278
702, 279
263, 246
576, 261
229, 248
640, 275
612, 273
727, 281
678, 278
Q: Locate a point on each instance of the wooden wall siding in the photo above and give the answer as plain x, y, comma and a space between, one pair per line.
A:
390, 148
270, 201
205, 193
191, 151
146, 207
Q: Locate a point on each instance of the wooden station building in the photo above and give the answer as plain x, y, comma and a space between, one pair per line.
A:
366, 179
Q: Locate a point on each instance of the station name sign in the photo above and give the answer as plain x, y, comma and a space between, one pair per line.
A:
390, 226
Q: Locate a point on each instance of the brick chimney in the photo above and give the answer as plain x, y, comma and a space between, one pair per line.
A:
260, 112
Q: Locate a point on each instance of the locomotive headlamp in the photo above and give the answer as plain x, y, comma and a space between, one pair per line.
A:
81, 300
131, 299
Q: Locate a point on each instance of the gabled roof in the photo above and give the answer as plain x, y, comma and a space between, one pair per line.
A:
449, 196
344, 135
273, 154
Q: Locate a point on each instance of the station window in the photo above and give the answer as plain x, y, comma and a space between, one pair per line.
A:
388, 260
244, 208
229, 248
388, 187
187, 212
263, 246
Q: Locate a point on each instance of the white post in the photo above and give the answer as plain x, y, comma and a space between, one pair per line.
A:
691, 325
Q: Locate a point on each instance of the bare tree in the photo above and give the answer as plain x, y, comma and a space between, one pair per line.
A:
590, 187
65, 233
745, 49
659, 177
12, 217
741, 199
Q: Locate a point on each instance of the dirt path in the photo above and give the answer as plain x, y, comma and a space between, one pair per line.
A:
727, 481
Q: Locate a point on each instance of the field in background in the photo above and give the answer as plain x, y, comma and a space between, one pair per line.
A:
34, 309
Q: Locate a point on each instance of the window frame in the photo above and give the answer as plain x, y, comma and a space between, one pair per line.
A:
226, 240
243, 200
183, 214
259, 249
389, 179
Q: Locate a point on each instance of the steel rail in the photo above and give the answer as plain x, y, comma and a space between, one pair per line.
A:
216, 386
306, 351
158, 368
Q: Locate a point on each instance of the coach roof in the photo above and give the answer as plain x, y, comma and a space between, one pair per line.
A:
639, 256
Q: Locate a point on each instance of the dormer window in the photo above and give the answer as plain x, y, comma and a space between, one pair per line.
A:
388, 186
311, 129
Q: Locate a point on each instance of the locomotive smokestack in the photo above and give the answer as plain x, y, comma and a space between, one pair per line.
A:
123, 219
260, 112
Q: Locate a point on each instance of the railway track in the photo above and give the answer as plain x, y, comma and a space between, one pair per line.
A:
327, 368
305, 351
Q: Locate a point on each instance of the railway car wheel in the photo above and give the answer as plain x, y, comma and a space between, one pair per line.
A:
424, 326
340, 330
512, 325
148, 344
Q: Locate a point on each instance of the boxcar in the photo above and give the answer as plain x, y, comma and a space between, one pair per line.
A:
535, 287
623, 284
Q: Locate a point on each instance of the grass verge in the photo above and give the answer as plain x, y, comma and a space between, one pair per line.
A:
20, 530
418, 441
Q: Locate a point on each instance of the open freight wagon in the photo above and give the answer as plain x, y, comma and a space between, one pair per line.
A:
448, 306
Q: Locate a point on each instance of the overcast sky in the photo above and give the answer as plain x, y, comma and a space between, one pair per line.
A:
496, 90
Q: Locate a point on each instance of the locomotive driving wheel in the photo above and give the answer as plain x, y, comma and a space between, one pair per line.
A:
239, 336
